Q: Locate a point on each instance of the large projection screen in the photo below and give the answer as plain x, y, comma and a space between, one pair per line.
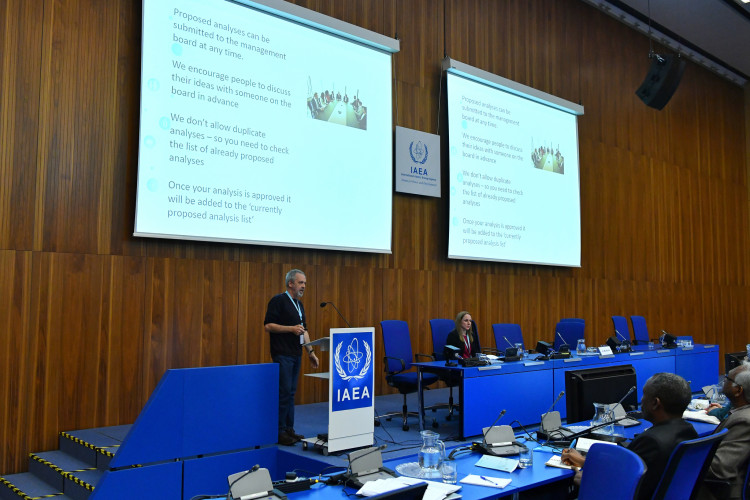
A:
264, 123
513, 176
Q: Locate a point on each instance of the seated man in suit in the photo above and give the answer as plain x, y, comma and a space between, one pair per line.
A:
731, 459
665, 397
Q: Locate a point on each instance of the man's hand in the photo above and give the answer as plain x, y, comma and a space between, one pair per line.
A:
313, 359
712, 406
298, 329
569, 456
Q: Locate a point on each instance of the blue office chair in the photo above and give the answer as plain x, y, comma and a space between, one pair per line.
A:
397, 364
440, 329
509, 331
570, 331
686, 467
640, 332
575, 320
621, 326
597, 480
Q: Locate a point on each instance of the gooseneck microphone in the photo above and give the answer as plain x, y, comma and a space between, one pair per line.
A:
323, 304
247, 472
630, 391
622, 336
559, 397
508, 341
484, 436
563, 338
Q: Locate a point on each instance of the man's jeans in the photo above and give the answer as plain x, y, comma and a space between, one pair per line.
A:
289, 367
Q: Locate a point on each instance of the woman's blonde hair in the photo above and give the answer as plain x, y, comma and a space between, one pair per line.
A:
459, 318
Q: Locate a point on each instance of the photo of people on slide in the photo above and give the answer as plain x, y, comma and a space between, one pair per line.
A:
335, 106
545, 158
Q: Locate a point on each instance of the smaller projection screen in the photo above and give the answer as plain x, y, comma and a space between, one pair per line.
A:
262, 122
513, 171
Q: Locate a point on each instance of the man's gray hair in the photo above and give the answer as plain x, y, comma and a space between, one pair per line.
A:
291, 275
742, 378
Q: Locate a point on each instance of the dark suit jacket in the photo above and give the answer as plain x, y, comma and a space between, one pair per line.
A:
655, 445
454, 339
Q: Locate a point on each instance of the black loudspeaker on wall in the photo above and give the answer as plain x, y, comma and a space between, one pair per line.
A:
662, 80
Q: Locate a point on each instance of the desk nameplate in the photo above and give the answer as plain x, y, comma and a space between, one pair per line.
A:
572, 360
636, 354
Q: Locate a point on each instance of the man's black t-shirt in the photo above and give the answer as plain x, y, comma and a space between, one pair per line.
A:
281, 311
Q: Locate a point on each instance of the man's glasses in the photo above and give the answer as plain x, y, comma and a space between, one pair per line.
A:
727, 377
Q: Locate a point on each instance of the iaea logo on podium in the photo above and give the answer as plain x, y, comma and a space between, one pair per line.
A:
352, 375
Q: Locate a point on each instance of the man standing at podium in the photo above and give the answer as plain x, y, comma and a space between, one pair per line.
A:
286, 324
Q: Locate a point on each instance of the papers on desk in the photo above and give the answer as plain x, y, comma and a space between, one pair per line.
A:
583, 444
556, 461
435, 490
492, 482
497, 463
699, 404
700, 416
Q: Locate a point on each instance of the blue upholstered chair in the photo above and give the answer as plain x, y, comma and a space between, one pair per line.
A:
570, 331
640, 332
397, 363
597, 480
621, 326
686, 467
509, 331
440, 329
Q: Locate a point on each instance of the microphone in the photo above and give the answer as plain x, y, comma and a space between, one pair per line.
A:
622, 336
508, 341
543, 431
588, 430
562, 338
484, 436
245, 474
559, 397
612, 410
323, 304
378, 449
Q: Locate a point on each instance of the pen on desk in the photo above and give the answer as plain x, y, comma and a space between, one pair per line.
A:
488, 480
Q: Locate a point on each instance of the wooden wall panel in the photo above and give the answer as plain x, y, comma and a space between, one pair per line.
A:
91, 317
20, 44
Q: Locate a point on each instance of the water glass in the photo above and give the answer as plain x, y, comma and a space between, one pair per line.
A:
747, 348
618, 430
526, 459
650, 344
450, 474
519, 346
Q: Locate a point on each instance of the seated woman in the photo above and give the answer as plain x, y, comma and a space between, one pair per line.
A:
463, 337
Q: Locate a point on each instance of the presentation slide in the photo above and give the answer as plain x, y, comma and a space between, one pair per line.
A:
514, 187
256, 129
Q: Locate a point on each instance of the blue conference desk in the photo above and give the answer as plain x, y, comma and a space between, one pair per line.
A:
526, 389
538, 481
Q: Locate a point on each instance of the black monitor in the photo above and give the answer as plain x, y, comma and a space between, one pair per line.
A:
733, 360
604, 385
413, 492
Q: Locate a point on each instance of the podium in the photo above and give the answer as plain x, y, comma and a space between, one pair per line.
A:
351, 388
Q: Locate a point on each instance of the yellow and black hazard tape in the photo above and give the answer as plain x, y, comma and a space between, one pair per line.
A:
49, 464
78, 481
88, 445
23, 495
